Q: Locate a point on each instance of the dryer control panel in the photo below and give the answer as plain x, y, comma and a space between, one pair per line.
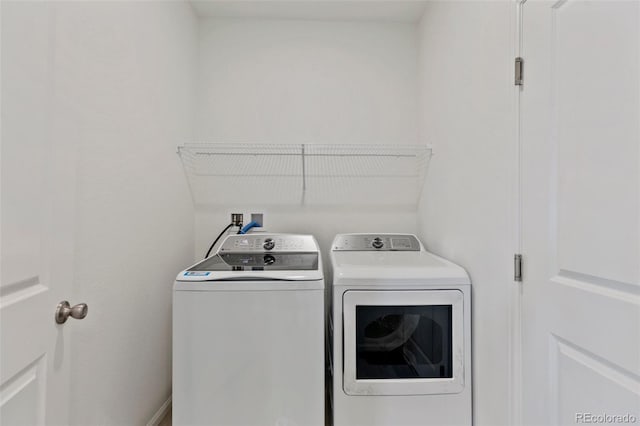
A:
269, 243
376, 242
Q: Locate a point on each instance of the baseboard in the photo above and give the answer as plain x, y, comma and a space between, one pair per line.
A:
159, 415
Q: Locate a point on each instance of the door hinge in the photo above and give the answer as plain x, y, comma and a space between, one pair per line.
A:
518, 71
517, 267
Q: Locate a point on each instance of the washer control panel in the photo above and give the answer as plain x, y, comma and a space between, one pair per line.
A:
268, 243
376, 242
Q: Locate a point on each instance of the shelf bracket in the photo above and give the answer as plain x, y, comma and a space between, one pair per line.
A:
304, 172
304, 175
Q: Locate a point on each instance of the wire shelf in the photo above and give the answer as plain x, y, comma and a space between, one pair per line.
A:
304, 174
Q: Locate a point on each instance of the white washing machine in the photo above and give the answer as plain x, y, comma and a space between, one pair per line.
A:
401, 334
248, 334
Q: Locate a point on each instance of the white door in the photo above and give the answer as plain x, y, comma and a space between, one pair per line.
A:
580, 136
36, 239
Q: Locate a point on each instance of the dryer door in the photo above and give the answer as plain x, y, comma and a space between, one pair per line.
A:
403, 342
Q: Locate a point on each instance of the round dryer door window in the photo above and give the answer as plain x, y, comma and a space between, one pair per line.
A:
403, 342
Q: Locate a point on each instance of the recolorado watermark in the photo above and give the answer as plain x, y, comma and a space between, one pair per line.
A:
604, 418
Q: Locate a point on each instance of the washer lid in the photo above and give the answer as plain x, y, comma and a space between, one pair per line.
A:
258, 258
247, 283
258, 262
255, 267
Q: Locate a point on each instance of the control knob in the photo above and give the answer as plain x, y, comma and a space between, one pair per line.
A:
269, 244
269, 259
377, 243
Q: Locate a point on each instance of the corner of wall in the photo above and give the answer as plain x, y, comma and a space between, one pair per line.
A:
465, 209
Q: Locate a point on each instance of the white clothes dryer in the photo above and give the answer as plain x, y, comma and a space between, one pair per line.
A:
248, 334
401, 334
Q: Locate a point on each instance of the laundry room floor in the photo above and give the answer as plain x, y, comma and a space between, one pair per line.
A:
166, 421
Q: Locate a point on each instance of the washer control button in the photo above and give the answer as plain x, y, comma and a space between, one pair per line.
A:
269, 244
377, 243
269, 260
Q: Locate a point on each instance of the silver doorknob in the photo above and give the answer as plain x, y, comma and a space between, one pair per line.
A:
65, 310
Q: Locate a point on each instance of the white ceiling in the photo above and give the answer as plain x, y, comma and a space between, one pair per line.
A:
359, 10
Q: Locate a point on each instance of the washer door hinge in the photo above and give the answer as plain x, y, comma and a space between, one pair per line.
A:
518, 71
517, 267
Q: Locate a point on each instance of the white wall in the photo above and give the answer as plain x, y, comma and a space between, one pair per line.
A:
121, 88
304, 81
295, 81
466, 63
